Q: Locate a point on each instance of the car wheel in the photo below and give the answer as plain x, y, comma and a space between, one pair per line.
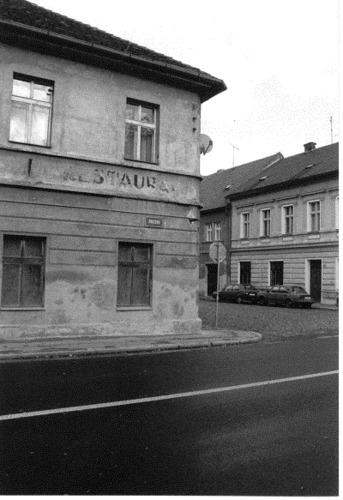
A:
261, 301
288, 303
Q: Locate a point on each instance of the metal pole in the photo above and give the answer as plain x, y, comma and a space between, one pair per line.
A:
218, 287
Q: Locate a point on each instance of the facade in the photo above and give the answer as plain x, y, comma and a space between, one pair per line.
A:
216, 218
285, 225
99, 181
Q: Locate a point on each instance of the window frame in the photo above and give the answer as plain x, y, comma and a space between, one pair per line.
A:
245, 225
24, 260
314, 217
265, 223
217, 231
287, 220
135, 264
32, 104
209, 232
140, 124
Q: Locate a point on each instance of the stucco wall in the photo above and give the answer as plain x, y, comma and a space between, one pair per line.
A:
89, 111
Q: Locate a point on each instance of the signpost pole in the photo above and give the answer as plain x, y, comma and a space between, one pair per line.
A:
218, 286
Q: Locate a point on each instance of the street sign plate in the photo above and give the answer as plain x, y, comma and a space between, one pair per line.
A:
217, 252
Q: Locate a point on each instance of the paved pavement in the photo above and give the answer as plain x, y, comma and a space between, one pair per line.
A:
84, 346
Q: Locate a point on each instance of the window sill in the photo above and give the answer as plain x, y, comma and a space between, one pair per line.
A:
142, 161
30, 144
14, 308
134, 308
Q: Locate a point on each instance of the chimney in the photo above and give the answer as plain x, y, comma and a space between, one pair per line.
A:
310, 146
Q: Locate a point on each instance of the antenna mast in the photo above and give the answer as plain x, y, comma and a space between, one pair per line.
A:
233, 153
331, 129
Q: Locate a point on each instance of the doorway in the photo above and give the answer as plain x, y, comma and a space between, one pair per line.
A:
212, 271
316, 279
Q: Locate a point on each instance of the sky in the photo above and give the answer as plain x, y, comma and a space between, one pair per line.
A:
278, 58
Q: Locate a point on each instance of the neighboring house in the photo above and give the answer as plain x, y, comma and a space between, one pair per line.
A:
99, 181
215, 217
285, 224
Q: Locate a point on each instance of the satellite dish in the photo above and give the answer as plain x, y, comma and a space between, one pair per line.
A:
206, 144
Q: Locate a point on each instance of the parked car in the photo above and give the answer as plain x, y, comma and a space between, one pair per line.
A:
237, 293
288, 296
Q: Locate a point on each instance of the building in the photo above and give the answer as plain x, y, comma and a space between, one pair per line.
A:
285, 224
99, 181
216, 218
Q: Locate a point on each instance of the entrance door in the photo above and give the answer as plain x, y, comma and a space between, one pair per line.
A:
316, 280
212, 270
245, 273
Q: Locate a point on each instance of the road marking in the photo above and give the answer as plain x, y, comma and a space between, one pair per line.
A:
327, 336
165, 397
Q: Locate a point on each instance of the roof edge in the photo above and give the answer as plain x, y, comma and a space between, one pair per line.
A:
202, 83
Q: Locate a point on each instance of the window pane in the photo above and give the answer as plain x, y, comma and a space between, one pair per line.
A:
21, 89
42, 92
124, 252
131, 138
132, 111
19, 120
40, 125
10, 285
32, 285
124, 285
147, 135
141, 254
33, 247
147, 115
12, 246
140, 290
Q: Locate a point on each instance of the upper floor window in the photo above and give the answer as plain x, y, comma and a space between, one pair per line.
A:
245, 225
265, 222
208, 232
217, 231
23, 264
141, 131
337, 212
314, 216
288, 219
31, 110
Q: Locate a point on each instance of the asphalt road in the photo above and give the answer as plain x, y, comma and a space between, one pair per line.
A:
263, 422
275, 323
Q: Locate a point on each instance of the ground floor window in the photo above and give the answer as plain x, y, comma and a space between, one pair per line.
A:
23, 265
245, 273
134, 274
276, 273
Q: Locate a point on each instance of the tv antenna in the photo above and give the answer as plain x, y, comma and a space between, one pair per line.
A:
233, 153
331, 129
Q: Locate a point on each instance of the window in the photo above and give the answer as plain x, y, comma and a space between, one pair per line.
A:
208, 232
288, 220
245, 273
337, 212
31, 110
276, 273
314, 216
134, 274
141, 131
265, 222
245, 225
23, 271
217, 231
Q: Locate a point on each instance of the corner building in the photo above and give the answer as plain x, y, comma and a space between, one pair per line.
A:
99, 181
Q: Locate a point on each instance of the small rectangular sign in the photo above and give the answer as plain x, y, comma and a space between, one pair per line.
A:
154, 222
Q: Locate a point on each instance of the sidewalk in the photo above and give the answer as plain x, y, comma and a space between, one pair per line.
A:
90, 346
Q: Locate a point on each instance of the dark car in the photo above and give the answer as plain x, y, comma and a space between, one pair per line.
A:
237, 293
288, 296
